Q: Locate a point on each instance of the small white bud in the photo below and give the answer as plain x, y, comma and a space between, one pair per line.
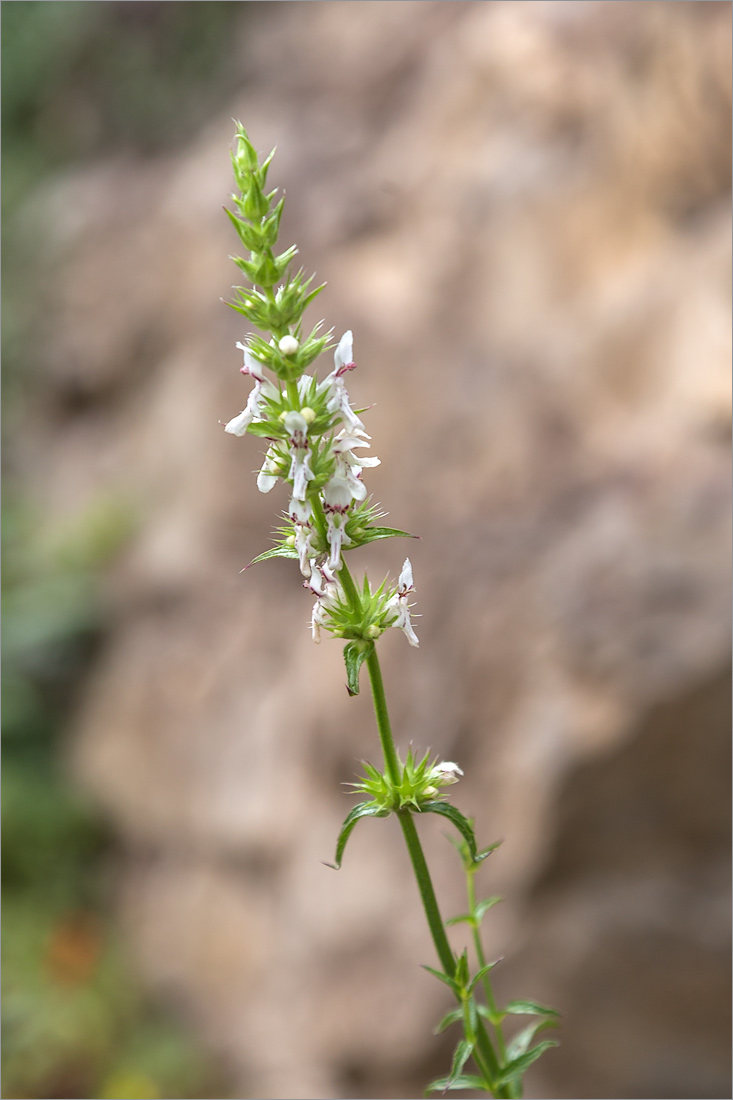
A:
308, 414
288, 345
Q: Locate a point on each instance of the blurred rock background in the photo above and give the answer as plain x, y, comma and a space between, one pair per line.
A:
523, 212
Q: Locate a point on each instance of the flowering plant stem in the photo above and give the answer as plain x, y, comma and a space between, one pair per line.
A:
484, 1053
313, 437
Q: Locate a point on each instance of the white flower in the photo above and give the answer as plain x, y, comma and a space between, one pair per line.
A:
262, 388
301, 513
328, 592
405, 583
349, 465
268, 476
300, 469
337, 494
399, 605
338, 400
337, 538
304, 547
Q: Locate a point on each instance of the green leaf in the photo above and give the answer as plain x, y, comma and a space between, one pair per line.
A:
519, 1065
465, 918
520, 1042
480, 974
355, 654
529, 1008
275, 552
463, 1081
441, 977
371, 534
483, 906
461, 823
363, 809
460, 1056
451, 1017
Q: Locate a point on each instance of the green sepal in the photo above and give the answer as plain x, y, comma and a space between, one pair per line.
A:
519, 1065
451, 1017
251, 236
463, 1081
461, 823
364, 809
355, 654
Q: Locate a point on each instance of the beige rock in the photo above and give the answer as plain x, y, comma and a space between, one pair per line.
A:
522, 210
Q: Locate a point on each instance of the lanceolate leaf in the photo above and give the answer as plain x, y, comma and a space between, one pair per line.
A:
463, 1081
520, 1042
442, 977
517, 1066
461, 823
483, 906
460, 1057
451, 1018
275, 552
480, 974
465, 918
363, 809
370, 534
529, 1008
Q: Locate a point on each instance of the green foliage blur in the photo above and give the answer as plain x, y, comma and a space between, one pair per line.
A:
80, 80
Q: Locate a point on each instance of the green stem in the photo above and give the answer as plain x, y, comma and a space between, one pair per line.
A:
391, 760
427, 893
484, 1054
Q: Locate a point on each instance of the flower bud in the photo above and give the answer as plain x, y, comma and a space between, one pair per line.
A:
288, 345
445, 773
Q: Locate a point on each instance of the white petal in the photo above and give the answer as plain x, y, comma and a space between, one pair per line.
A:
267, 478
251, 365
238, 425
295, 422
265, 482
406, 582
344, 353
337, 493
